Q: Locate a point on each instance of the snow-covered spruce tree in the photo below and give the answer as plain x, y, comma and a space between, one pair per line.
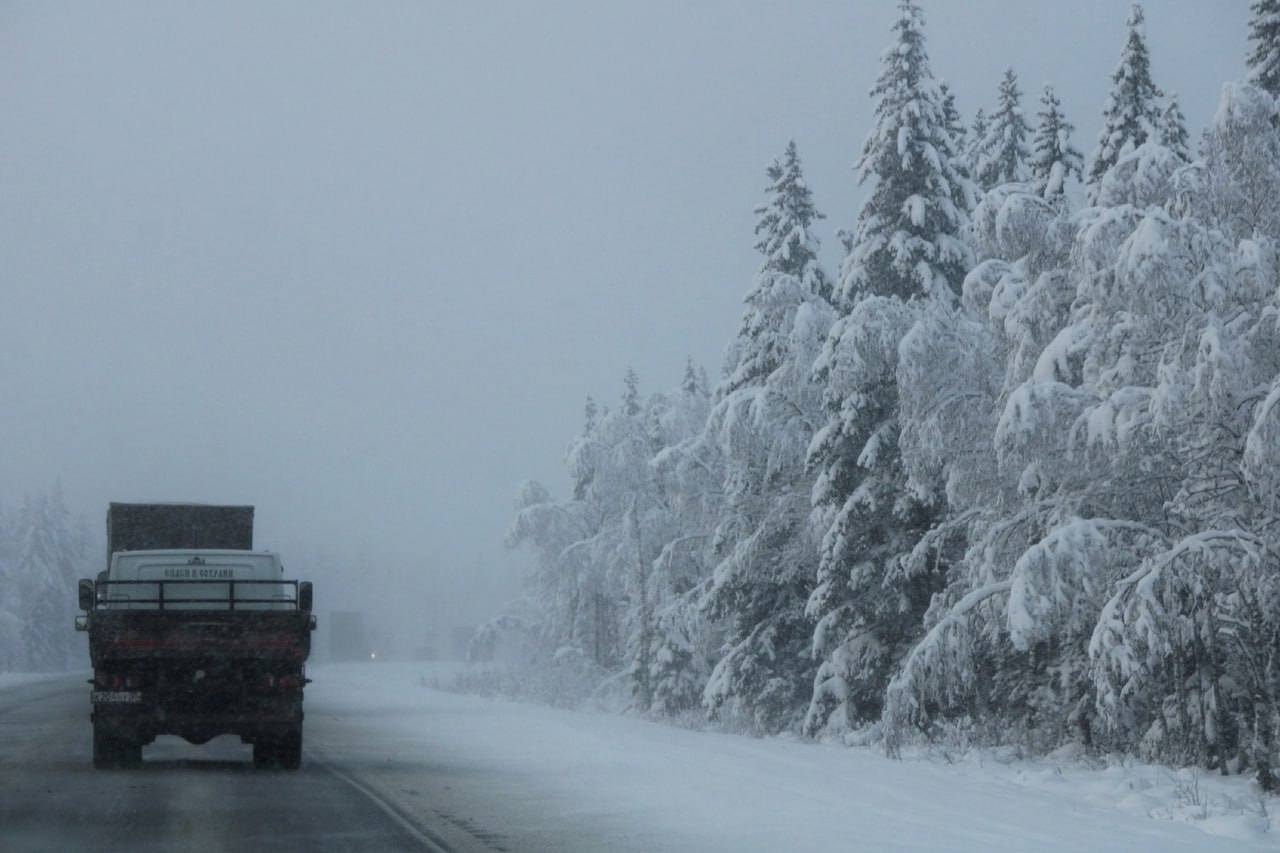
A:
863, 621
765, 413
1002, 154
50, 559
955, 124
1173, 130
908, 240
951, 114
1132, 114
1054, 160
971, 153
1264, 59
789, 244
907, 249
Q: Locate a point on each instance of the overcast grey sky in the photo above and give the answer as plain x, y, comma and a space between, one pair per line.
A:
359, 263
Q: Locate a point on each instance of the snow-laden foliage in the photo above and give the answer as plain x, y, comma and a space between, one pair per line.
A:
1054, 159
947, 416
907, 241
605, 572
1173, 130
971, 144
1008, 646
1010, 312
684, 642
1002, 155
861, 510
760, 427
43, 553
1161, 653
955, 125
1142, 177
1236, 185
1118, 582
1132, 114
789, 243
869, 507
1264, 59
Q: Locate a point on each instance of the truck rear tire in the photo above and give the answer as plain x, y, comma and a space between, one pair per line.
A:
111, 751
290, 750
130, 754
282, 751
264, 754
103, 749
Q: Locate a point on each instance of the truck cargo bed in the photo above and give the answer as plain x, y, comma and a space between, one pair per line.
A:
262, 634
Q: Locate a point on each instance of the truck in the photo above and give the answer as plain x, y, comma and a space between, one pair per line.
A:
195, 634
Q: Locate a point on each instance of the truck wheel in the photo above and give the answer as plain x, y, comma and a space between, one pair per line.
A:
289, 750
130, 753
264, 753
104, 749
110, 750
280, 751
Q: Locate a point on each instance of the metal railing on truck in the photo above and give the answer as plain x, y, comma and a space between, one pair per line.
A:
160, 595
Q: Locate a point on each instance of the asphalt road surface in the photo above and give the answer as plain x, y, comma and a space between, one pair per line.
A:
355, 791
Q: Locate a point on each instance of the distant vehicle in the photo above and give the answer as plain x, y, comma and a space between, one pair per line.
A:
192, 633
348, 640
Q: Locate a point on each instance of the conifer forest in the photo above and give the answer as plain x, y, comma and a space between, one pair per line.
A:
1009, 475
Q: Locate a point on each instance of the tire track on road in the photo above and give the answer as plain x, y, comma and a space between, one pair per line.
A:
387, 804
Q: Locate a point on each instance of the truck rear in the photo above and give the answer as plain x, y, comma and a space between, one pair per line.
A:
194, 636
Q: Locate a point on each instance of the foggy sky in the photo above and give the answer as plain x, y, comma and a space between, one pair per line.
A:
359, 264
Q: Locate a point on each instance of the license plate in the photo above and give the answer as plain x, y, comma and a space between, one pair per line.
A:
105, 696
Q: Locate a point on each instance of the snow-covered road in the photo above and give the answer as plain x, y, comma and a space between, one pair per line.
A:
391, 764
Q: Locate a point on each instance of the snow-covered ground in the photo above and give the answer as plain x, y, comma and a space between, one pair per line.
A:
689, 790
